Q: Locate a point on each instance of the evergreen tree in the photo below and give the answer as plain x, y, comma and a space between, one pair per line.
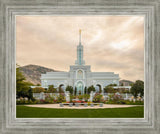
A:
70, 89
75, 91
91, 88
85, 90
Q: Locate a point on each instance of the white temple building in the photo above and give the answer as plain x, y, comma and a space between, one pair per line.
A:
79, 75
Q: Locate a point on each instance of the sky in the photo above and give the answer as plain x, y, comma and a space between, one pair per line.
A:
110, 43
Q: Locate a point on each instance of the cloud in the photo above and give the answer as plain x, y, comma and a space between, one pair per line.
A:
111, 43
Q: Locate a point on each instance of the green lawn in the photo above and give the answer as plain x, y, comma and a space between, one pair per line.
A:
32, 112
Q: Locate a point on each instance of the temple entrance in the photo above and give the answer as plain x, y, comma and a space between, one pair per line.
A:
80, 88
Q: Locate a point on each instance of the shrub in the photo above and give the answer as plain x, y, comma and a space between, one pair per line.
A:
38, 89
23, 101
51, 89
80, 97
60, 98
117, 97
89, 103
127, 102
98, 98
86, 97
109, 89
42, 101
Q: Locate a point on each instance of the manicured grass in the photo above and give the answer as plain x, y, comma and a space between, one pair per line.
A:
32, 112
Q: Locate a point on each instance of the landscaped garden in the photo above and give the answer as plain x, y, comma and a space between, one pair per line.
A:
88, 99
98, 98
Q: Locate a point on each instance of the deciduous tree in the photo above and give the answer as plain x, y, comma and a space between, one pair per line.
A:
109, 89
22, 87
51, 89
138, 88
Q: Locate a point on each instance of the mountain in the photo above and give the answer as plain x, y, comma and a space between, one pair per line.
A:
125, 82
33, 73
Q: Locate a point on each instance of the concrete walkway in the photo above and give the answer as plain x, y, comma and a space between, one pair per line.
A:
80, 107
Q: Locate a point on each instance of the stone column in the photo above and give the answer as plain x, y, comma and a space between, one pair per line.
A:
91, 96
67, 94
126, 96
102, 91
42, 96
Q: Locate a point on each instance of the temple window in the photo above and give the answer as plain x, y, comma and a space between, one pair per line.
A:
80, 74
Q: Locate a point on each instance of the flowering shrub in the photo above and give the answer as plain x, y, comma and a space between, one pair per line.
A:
98, 98
62, 94
86, 97
24, 101
80, 97
78, 101
117, 97
42, 101
89, 103
54, 101
61, 98
71, 97
51, 89
48, 100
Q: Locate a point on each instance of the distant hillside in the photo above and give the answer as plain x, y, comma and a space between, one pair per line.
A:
125, 82
33, 73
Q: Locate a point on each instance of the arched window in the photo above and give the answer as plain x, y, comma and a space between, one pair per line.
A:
98, 88
80, 74
61, 88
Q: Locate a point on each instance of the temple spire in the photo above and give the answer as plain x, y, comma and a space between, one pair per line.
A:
80, 60
79, 36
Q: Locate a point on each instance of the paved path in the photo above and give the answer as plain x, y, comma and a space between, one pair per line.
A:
80, 107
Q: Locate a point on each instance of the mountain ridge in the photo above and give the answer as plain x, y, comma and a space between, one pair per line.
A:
32, 73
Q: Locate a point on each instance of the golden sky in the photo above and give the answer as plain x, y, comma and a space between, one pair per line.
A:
111, 43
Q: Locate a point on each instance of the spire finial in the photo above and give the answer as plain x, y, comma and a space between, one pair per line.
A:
79, 35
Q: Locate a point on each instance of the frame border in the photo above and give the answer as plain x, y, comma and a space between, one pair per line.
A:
149, 124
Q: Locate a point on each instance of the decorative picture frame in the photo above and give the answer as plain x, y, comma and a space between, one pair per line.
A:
8, 121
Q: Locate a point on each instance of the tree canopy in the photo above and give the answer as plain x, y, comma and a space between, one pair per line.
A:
138, 88
91, 88
22, 87
70, 89
51, 89
112, 85
85, 90
38, 89
109, 89
75, 90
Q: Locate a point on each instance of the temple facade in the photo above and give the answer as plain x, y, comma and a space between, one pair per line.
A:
79, 76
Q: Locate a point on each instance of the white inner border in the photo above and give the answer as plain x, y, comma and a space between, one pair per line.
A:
114, 119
